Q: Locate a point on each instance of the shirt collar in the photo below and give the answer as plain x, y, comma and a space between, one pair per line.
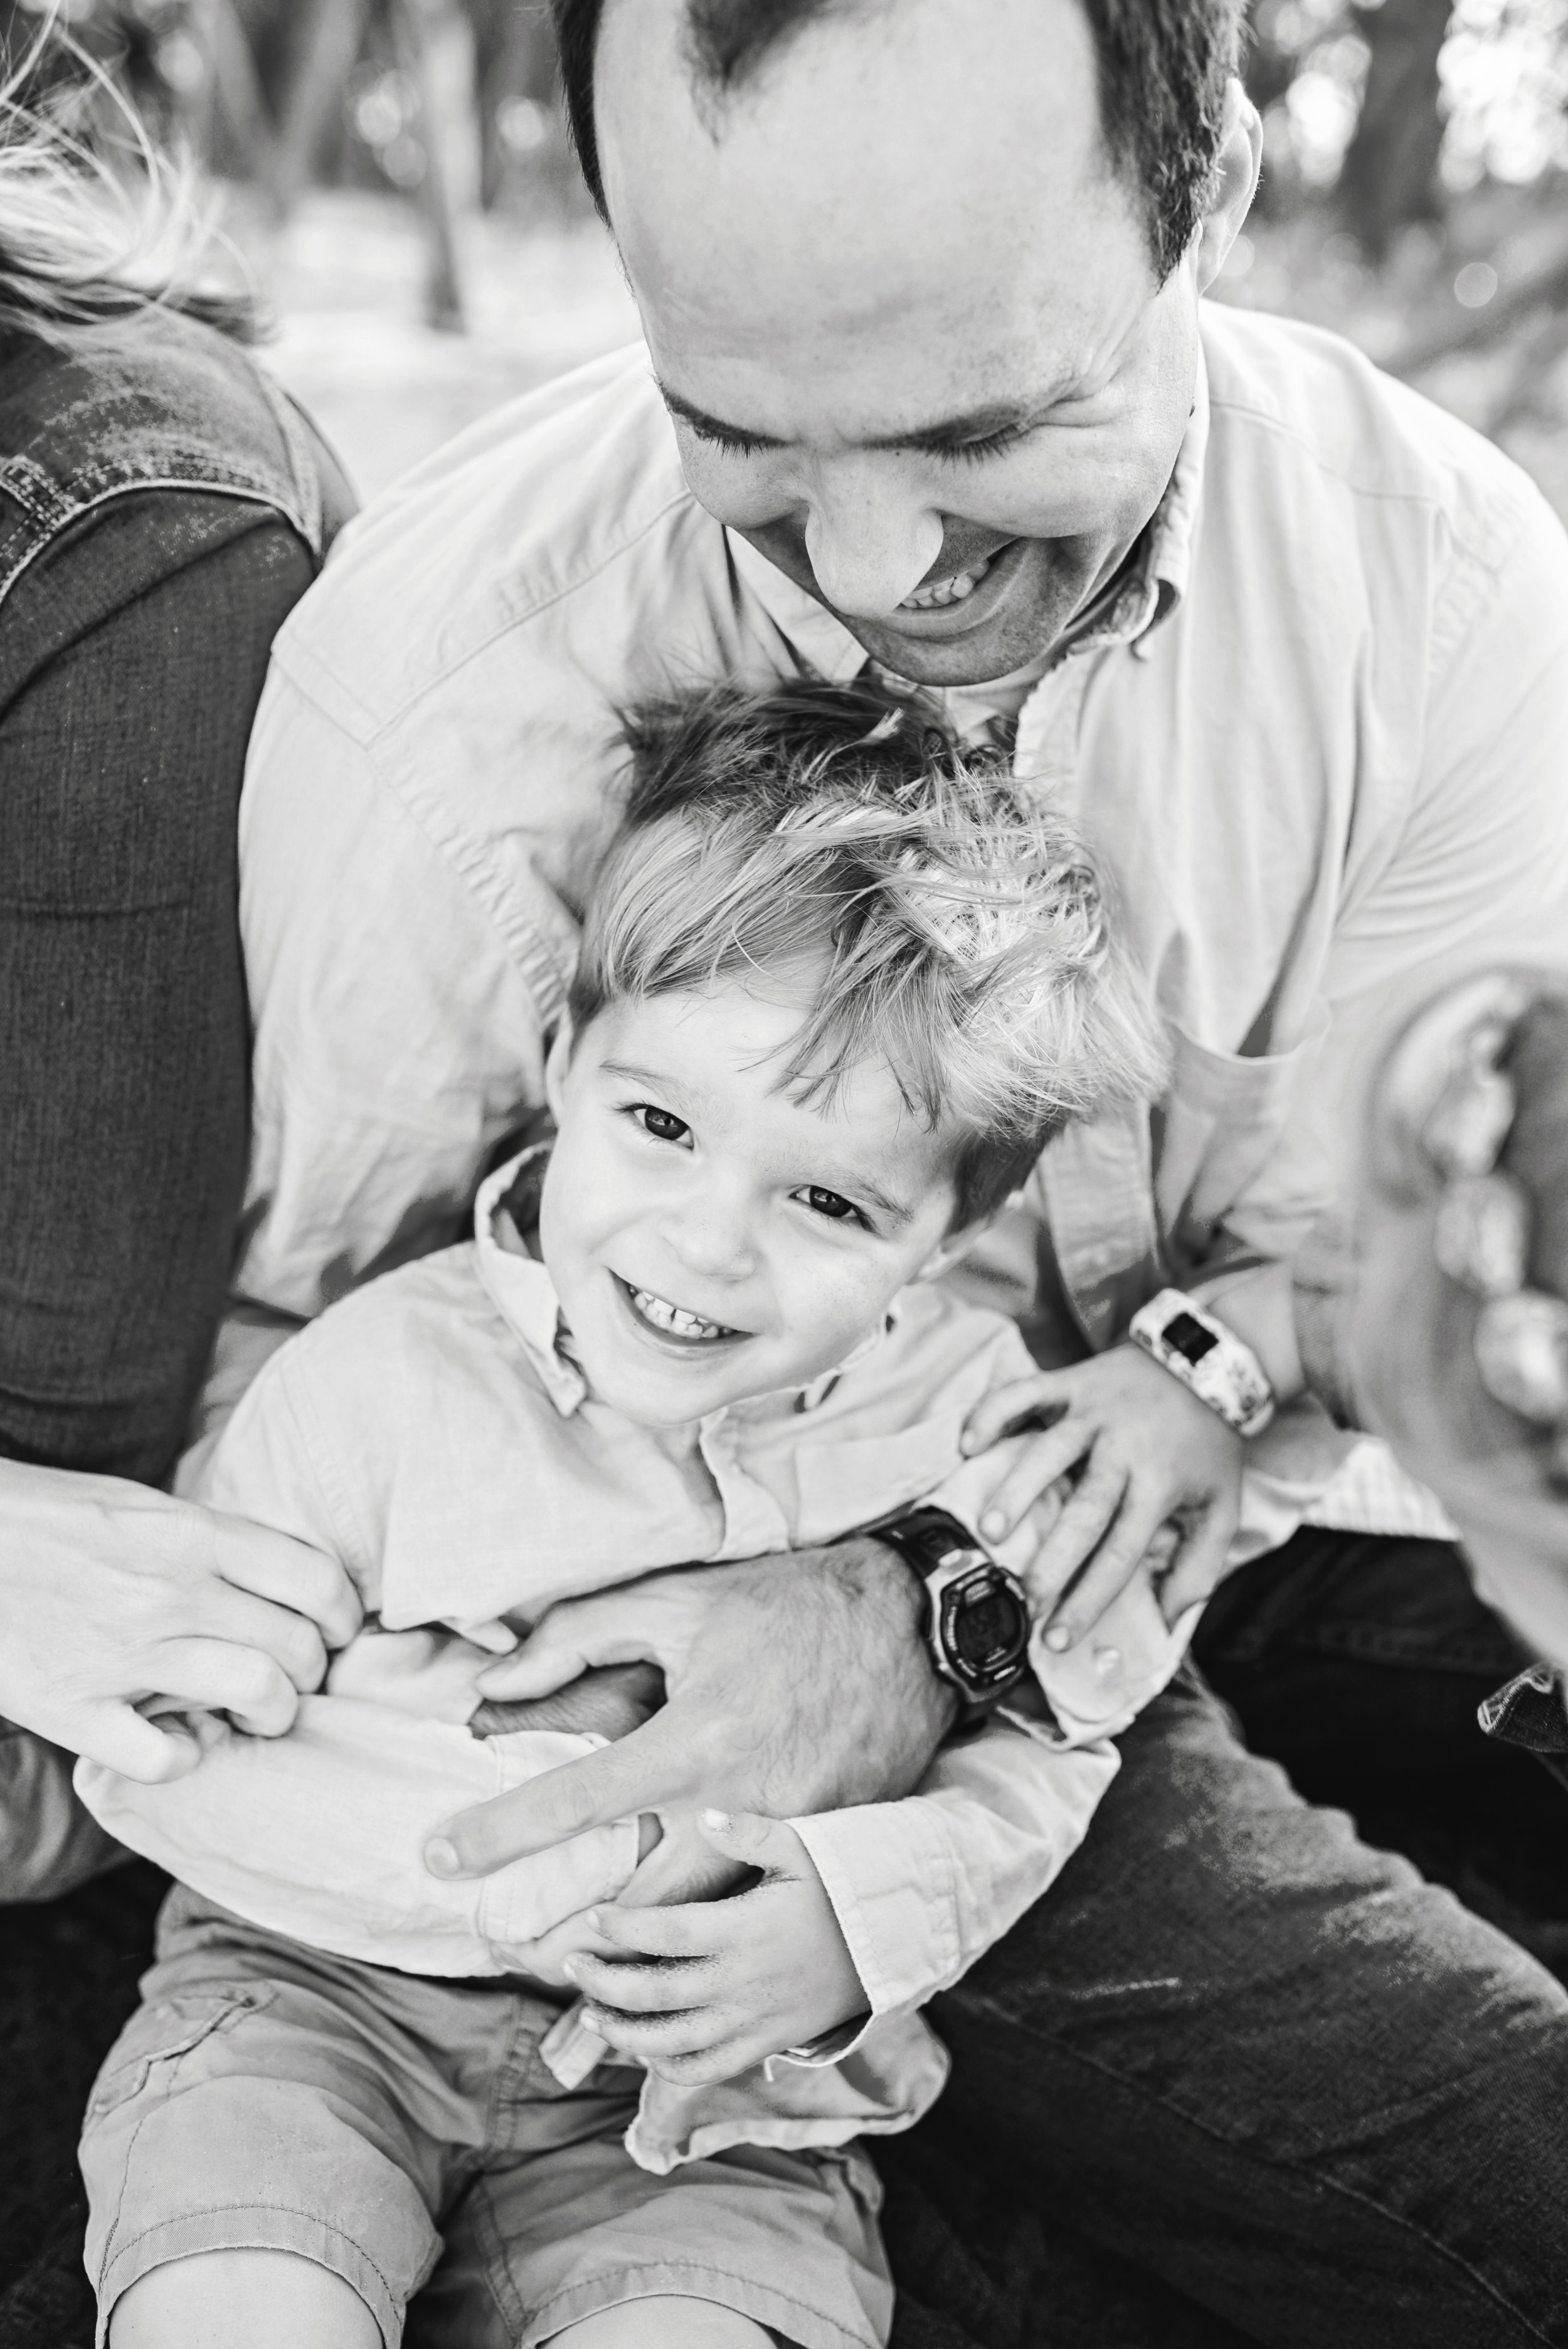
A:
521, 1289
1153, 590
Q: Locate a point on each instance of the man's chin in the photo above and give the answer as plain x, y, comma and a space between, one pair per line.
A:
994, 647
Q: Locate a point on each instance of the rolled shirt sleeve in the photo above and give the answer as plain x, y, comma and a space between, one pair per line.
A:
923, 1887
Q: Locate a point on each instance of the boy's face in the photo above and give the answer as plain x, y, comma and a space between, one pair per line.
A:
711, 1236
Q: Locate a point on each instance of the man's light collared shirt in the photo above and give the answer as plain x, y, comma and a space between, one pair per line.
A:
1318, 744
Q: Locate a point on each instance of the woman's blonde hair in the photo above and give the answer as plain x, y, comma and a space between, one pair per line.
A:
936, 913
85, 238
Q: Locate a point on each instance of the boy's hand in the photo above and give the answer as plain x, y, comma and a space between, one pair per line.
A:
1148, 1454
703, 1992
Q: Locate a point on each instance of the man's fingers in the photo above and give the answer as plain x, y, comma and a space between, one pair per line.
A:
648, 1771
216, 1676
1034, 1473
1041, 1399
532, 1672
575, 1634
1080, 1526
291, 1574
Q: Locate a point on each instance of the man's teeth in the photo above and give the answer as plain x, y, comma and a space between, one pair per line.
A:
944, 591
665, 1316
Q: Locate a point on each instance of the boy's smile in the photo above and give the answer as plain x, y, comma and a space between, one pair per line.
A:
711, 1234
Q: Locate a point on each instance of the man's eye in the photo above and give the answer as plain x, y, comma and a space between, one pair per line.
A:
661, 1124
975, 453
828, 1204
734, 444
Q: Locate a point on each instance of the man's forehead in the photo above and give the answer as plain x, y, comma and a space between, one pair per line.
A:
878, 153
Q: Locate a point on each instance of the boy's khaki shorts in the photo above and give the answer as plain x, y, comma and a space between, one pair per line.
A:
405, 2134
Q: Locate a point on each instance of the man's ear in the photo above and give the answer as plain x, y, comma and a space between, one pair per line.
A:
948, 1251
556, 1063
1236, 169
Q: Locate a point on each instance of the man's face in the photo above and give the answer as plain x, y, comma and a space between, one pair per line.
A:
904, 316
712, 1236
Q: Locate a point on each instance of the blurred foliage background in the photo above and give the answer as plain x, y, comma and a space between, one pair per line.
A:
395, 177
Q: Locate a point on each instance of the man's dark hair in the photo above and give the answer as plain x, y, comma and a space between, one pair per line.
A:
1163, 67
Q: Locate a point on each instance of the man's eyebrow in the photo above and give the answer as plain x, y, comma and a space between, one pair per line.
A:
998, 421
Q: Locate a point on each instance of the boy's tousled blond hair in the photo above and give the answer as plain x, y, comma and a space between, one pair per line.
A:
935, 911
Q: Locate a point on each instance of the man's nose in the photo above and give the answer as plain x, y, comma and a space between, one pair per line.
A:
870, 539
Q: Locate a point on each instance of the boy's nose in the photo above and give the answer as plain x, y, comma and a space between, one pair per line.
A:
713, 1238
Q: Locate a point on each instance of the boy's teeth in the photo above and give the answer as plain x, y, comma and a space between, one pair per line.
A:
665, 1316
944, 591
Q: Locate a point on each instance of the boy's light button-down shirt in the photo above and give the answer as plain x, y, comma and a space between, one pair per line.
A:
430, 1431
1318, 743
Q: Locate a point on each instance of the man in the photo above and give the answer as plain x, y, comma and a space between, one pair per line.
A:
930, 386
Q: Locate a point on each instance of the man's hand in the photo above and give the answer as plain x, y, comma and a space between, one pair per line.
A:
114, 1596
1147, 1455
795, 1684
702, 1992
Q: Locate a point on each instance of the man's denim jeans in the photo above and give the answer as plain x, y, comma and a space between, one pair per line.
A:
1268, 2061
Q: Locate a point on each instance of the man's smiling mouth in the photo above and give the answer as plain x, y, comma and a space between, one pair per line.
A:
937, 592
674, 1320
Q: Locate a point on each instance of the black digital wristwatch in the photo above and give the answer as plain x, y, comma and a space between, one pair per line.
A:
975, 1620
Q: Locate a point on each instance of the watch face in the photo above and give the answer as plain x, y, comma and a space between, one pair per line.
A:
1189, 1338
985, 1628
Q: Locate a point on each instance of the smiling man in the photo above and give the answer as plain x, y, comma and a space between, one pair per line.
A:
933, 387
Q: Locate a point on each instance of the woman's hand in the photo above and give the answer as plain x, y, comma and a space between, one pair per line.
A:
1149, 1455
113, 1596
703, 1992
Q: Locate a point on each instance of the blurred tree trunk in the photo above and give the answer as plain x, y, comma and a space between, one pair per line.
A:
1390, 174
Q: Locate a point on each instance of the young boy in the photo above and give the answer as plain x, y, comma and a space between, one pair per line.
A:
836, 992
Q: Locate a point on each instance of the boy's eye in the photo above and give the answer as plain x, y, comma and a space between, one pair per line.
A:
661, 1124
828, 1203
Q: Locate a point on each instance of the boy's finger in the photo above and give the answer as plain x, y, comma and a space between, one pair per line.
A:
1199, 1565
1034, 1473
1107, 1574
1076, 1534
636, 1990
691, 1932
1043, 1398
687, 2033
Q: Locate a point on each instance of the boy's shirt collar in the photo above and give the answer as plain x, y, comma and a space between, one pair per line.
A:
520, 1287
